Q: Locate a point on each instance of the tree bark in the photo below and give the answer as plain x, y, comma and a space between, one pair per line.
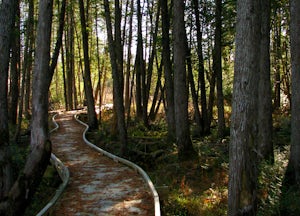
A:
243, 171
7, 19
128, 64
15, 71
198, 118
92, 117
40, 145
183, 140
265, 123
292, 176
140, 66
218, 68
167, 65
205, 117
116, 56
29, 62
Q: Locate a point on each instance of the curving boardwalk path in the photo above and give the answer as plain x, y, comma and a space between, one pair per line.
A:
98, 185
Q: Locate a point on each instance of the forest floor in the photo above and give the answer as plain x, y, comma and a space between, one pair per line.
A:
197, 187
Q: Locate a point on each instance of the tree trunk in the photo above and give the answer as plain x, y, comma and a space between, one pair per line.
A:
265, 123
69, 43
27, 65
92, 117
205, 119
183, 140
58, 43
218, 68
292, 176
243, 171
38, 159
128, 64
155, 95
7, 18
140, 66
29, 62
169, 82
198, 118
15, 71
116, 56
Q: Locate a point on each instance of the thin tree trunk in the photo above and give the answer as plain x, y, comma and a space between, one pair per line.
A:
265, 123
155, 95
217, 64
197, 114
29, 62
116, 56
205, 119
58, 43
166, 57
15, 72
64, 77
70, 58
128, 64
278, 57
92, 118
140, 66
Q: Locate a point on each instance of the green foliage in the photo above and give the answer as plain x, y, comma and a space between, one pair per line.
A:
270, 183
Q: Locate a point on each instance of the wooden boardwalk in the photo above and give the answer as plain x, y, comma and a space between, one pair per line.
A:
98, 185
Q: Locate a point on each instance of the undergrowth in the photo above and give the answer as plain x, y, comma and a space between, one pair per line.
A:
198, 187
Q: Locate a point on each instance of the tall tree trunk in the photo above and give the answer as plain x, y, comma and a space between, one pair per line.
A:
150, 64
292, 176
198, 118
278, 57
92, 117
38, 159
29, 62
243, 171
69, 42
116, 57
64, 77
183, 140
265, 123
205, 119
15, 71
169, 82
140, 65
218, 68
7, 18
58, 43
128, 64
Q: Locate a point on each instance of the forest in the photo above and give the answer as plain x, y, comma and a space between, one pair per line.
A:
203, 94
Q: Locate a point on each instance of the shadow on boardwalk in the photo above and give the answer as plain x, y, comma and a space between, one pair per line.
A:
98, 185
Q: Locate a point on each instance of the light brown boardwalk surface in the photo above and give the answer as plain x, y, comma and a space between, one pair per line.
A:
98, 185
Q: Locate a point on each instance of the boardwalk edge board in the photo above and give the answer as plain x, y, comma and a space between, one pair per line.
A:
126, 162
63, 173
